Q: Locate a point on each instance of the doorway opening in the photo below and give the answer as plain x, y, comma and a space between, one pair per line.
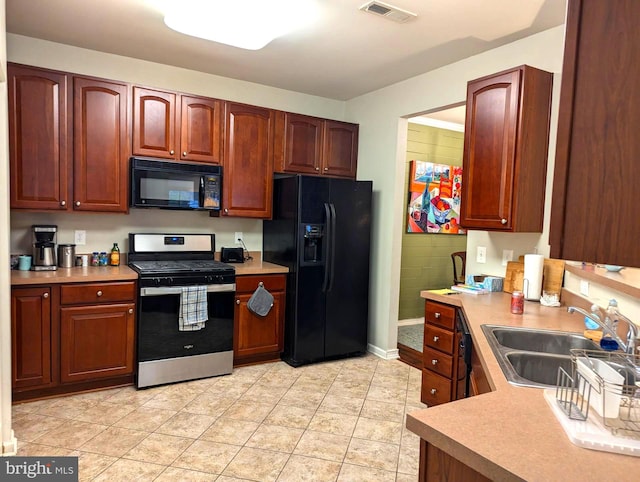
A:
435, 137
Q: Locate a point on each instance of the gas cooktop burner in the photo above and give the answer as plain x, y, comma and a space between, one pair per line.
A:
179, 266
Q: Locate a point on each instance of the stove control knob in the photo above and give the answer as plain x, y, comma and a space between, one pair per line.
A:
209, 279
156, 281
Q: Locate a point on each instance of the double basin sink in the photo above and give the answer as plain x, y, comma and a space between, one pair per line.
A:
530, 357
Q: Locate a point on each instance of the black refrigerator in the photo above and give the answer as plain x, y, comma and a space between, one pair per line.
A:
321, 230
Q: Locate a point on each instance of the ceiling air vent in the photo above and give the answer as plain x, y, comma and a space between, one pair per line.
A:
388, 11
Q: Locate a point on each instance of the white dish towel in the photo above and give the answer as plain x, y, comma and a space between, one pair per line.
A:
193, 308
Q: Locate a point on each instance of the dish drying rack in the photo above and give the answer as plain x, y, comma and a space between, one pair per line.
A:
598, 403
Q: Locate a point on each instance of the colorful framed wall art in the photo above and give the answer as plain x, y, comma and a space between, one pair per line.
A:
434, 198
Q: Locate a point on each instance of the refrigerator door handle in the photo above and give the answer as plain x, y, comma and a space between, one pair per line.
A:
332, 259
328, 233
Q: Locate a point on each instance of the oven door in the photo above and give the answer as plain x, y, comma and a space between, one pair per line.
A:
159, 336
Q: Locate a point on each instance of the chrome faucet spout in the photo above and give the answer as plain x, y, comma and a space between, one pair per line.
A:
624, 346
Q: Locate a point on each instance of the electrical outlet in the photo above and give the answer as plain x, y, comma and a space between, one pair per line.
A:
238, 238
584, 288
481, 255
507, 255
80, 237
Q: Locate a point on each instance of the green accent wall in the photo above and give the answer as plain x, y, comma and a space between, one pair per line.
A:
426, 258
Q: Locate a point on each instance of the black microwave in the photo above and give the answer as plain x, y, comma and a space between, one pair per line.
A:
156, 183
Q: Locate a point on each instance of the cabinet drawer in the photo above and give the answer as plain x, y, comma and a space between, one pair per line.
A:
248, 284
439, 314
438, 338
436, 389
438, 362
97, 293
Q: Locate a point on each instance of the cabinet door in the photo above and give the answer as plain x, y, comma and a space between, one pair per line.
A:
31, 337
96, 341
597, 168
38, 138
302, 144
488, 161
101, 145
256, 335
201, 129
248, 161
154, 123
340, 149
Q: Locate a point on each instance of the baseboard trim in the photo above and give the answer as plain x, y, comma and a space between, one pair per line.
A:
411, 321
384, 354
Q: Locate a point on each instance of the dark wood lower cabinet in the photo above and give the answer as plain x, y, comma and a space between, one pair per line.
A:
438, 466
256, 338
72, 337
96, 341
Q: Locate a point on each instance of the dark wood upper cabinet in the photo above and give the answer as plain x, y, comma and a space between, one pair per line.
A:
248, 161
154, 123
505, 150
201, 129
310, 145
340, 149
39, 146
594, 217
101, 145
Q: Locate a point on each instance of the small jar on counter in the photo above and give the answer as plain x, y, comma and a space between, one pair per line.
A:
517, 303
103, 258
95, 259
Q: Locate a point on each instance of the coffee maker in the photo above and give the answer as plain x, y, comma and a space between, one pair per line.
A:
44, 247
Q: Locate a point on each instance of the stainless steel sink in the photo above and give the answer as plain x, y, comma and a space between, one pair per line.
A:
530, 357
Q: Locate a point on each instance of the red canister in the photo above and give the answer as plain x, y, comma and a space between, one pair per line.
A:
517, 303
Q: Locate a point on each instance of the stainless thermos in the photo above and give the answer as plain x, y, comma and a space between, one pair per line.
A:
66, 255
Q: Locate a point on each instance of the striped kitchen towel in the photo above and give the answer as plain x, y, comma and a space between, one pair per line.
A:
193, 308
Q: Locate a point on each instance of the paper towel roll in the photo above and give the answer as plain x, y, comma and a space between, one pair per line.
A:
532, 279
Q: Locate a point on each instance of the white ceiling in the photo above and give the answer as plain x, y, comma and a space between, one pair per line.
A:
346, 53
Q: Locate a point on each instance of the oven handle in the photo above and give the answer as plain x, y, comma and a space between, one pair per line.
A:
177, 290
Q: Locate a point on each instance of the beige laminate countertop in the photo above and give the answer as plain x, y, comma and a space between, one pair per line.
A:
85, 274
90, 274
511, 432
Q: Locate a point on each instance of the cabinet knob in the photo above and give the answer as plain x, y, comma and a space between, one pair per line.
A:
437, 315
184, 154
317, 168
77, 203
503, 221
63, 203
99, 293
45, 295
237, 302
131, 311
226, 211
434, 362
433, 391
436, 338
172, 152
326, 168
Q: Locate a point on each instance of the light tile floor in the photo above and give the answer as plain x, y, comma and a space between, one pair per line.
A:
333, 421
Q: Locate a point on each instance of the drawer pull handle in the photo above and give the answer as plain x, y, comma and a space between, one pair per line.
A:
46, 295
437, 315
131, 311
436, 338
434, 362
99, 293
433, 391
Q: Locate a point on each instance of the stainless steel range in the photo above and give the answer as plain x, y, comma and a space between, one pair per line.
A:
185, 308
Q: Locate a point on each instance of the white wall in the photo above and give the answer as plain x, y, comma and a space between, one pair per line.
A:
381, 158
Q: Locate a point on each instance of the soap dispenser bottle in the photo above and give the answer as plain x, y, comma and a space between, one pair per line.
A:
611, 321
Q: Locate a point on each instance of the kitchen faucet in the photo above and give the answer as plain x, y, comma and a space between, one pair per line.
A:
602, 320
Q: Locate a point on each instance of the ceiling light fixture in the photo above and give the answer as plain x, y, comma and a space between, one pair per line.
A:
247, 24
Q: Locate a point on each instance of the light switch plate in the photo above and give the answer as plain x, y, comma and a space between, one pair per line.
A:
80, 237
481, 255
584, 288
239, 235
